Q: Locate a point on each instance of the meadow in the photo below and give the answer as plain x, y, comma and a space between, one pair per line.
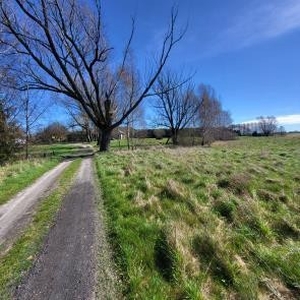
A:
220, 222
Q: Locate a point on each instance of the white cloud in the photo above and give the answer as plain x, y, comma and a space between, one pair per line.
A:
282, 120
262, 21
289, 119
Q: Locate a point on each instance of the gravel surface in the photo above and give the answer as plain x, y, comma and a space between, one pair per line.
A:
66, 267
16, 213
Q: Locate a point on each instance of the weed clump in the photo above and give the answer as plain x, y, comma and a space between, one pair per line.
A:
238, 183
226, 209
266, 195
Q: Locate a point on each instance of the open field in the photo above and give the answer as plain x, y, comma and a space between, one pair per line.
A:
136, 143
59, 150
206, 223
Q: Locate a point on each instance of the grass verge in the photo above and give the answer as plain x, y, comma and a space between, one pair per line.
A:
21, 256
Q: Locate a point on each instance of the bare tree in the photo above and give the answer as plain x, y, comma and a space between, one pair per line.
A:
130, 85
282, 130
80, 119
267, 125
54, 132
176, 103
134, 120
66, 53
9, 127
32, 111
212, 116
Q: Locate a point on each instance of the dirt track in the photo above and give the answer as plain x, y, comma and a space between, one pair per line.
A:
66, 267
15, 214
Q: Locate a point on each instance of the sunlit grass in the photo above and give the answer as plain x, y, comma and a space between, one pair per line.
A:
58, 149
206, 223
135, 143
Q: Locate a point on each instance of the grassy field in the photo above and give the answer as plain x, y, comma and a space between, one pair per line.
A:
58, 150
143, 143
17, 175
206, 223
22, 254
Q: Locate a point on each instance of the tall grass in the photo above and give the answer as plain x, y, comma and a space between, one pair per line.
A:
206, 223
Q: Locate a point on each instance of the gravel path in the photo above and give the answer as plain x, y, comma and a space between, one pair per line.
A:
15, 214
66, 267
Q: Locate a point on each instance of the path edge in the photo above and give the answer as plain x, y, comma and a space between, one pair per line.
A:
108, 280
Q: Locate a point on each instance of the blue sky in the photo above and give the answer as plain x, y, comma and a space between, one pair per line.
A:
247, 50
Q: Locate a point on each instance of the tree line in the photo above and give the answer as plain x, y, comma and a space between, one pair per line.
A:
263, 126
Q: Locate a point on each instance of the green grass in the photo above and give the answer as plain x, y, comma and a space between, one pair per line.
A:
57, 150
137, 143
21, 256
14, 177
206, 223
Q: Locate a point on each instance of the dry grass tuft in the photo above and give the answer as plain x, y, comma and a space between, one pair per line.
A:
128, 170
237, 183
173, 253
266, 195
275, 289
240, 262
273, 180
150, 204
174, 190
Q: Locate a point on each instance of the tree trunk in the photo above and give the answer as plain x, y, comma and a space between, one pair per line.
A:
99, 138
175, 137
128, 136
105, 140
27, 127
